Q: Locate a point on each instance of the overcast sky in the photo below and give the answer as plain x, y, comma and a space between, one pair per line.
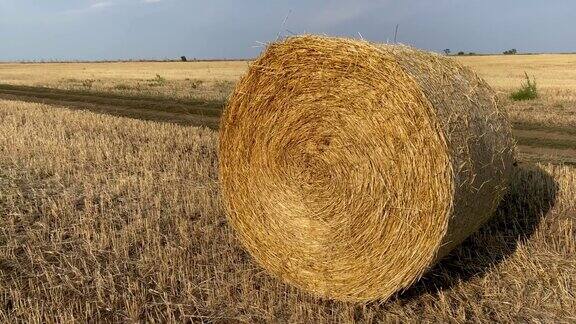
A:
122, 29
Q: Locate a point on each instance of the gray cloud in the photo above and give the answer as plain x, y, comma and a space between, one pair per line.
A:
111, 29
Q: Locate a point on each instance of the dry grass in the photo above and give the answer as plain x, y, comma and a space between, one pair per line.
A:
552, 71
106, 218
556, 80
205, 80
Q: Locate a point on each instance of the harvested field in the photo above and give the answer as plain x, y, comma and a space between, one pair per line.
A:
552, 71
108, 218
183, 80
193, 111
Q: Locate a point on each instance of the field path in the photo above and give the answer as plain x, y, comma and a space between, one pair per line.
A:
185, 112
535, 142
545, 143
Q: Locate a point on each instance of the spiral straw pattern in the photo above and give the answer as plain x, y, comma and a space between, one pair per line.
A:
349, 168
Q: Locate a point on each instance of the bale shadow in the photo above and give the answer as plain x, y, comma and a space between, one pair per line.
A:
532, 194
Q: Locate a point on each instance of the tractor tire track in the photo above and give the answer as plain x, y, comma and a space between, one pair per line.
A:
184, 112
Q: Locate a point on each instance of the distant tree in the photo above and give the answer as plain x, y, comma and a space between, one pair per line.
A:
447, 51
461, 53
471, 53
183, 58
510, 52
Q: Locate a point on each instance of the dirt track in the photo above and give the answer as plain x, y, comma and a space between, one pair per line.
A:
535, 142
192, 112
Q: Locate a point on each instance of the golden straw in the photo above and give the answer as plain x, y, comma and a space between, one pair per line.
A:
349, 168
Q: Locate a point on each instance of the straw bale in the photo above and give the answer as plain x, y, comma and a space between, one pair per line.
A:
349, 168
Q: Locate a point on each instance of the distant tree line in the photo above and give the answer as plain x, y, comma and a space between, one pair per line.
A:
448, 51
508, 52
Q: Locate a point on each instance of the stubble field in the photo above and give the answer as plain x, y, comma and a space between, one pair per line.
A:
111, 218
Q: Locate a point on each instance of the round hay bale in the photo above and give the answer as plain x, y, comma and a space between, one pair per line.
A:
349, 168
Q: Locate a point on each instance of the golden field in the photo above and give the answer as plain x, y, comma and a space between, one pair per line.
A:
114, 219
552, 71
49, 73
108, 218
503, 72
210, 80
